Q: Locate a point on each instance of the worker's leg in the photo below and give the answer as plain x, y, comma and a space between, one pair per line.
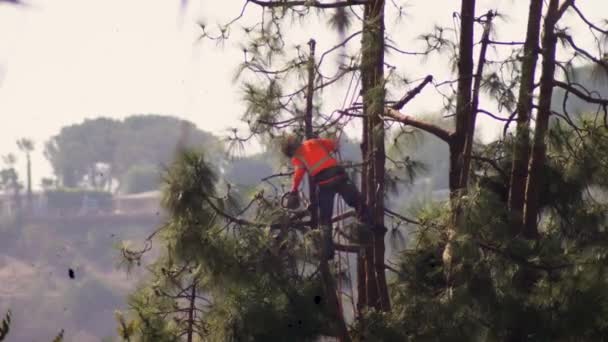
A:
326, 207
326, 203
351, 195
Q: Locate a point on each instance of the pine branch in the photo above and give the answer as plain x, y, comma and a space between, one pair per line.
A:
582, 16
494, 164
59, 337
521, 260
392, 269
401, 217
580, 94
483, 111
337, 46
563, 8
494, 42
348, 248
403, 52
583, 52
427, 127
308, 3
412, 93
6, 325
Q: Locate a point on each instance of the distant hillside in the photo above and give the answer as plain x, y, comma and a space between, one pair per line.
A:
36, 286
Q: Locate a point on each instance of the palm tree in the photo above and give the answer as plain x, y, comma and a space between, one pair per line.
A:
9, 179
27, 146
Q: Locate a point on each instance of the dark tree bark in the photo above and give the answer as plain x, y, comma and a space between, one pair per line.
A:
521, 152
29, 183
537, 161
191, 313
332, 301
470, 133
308, 128
463, 101
463, 119
372, 76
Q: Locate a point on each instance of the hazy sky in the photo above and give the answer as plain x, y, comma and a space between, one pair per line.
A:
62, 61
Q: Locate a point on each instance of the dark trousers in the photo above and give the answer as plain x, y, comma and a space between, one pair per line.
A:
335, 181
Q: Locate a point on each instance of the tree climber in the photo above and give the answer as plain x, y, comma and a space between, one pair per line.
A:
313, 156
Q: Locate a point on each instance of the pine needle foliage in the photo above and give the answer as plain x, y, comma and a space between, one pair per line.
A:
244, 288
5, 326
553, 289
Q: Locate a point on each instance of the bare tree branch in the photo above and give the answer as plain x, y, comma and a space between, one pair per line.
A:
412, 93
348, 248
401, 217
494, 42
593, 26
427, 127
494, 164
483, 111
583, 52
309, 3
580, 94
343, 43
563, 8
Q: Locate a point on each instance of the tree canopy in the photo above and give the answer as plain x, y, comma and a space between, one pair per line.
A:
77, 152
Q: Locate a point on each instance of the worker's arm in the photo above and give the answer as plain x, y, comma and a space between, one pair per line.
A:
299, 173
330, 144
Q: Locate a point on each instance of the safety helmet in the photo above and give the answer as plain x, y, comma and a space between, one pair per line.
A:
290, 144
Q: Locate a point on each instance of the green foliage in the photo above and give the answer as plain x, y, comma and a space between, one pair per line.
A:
340, 20
59, 337
5, 327
138, 140
551, 289
246, 290
25, 145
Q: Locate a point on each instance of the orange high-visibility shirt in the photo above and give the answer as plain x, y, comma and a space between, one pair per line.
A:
312, 156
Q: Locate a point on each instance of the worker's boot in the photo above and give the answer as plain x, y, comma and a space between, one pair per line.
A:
327, 243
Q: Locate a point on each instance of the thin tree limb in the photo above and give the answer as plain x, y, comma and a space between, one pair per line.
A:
412, 93
317, 4
427, 127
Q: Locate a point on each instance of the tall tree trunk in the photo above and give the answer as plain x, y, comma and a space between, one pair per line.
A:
332, 301
463, 101
312, 189
470, 133
361, 288
29, 182
372, 76
521, 151
463, 115
191, 313
537, 161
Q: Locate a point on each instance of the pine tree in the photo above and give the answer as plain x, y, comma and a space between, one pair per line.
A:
221, 277
468, 272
